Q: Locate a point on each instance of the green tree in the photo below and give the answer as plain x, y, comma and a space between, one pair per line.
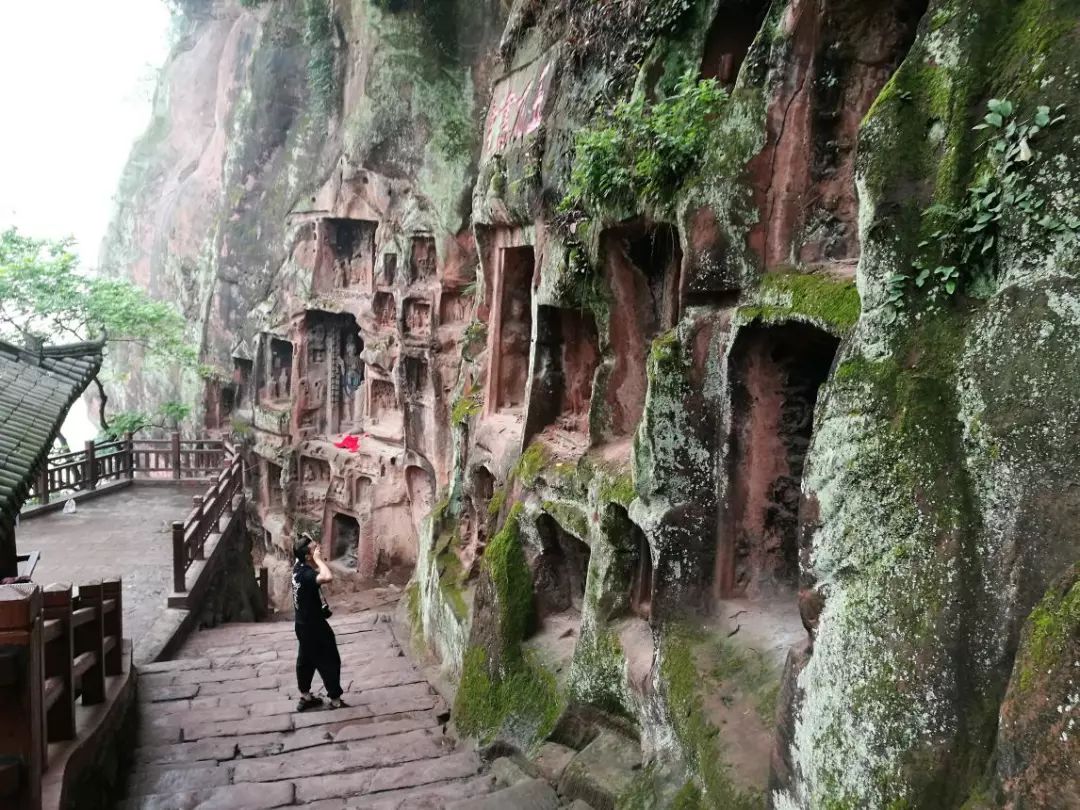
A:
45, 296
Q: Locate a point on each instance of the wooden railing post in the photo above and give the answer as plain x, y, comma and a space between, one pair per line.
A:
176, 455
59, 654
114, 627
179, 556
129, 454
90, 641
43, 484
21, 699
90, 475
200, 513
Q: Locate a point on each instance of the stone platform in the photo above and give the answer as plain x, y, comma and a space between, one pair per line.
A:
126, 535
218, 728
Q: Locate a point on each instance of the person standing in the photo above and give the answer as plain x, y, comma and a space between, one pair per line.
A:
318, 648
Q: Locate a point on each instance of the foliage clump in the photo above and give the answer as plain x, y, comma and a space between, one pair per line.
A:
962, 247
466, 407
642, 153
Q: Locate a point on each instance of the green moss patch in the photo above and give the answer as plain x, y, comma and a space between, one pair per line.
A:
1053, 625
521, 703
504, 561
822, 300
532, 461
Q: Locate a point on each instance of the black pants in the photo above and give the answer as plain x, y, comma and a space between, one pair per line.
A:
318, 651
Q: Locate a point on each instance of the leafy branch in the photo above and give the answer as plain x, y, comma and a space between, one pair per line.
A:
962, 245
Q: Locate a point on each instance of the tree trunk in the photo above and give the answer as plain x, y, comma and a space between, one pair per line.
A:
9, 560
101, 405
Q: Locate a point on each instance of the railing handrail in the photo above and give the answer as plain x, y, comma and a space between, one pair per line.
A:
72, 644
191, 534
129, 458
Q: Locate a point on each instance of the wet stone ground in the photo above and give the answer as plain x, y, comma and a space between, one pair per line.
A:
218, 727
125, 534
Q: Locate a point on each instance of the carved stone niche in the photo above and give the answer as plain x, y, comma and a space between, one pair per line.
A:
276, 377
352, 242
382, 400
345, 540
416, 376
388, 270
341, 491
241, 381
417, 317
314, 482
385, 309
453, 308
510, 340
566, 356
422, 259
729, 41
775, 375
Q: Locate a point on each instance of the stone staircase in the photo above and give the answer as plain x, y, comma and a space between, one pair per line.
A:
218, 730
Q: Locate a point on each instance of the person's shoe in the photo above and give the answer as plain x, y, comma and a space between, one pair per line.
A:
338, 703
306, 703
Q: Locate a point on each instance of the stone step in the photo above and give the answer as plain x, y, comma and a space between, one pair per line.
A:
602, 771
529, 794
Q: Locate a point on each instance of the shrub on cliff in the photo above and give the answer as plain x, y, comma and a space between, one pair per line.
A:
641, 154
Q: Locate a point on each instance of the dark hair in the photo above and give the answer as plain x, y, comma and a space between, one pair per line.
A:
301, 546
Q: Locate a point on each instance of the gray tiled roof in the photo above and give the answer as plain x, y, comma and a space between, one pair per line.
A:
36, 391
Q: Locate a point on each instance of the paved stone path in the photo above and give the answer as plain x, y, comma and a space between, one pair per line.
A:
218, 729
124, 534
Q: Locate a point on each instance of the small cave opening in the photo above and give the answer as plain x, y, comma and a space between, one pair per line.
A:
560, 571
567, 354
352, 242
729, 39
776, 373
513, 338
656, 252
345, 540
273, 492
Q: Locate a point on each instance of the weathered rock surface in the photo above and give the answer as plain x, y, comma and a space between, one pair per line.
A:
810, 392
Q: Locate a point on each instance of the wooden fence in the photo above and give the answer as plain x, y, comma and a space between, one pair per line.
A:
56, 651
100, 463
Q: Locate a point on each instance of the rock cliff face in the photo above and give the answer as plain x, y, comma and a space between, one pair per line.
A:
709, 363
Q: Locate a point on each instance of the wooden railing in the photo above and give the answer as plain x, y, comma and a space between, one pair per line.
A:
101, 463
56, 650
189, 536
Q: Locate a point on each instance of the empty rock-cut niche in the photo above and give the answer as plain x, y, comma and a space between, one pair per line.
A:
345, 540
730, 37
279, 358
842, 55
776, 373
241, 383
513, 333
567, 354
643, 265
273, 496
560, 570
422, 260
421, 488
388, 271
417, 317
352, 242
385, 309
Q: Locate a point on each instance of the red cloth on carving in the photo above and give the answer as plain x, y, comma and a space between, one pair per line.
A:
350, 443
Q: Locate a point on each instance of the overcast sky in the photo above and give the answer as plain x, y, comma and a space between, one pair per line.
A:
76, 83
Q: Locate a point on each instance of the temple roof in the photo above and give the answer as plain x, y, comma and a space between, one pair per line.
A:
36, 390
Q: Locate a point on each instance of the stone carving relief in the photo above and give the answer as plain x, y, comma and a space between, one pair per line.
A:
417, 317
422, 259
